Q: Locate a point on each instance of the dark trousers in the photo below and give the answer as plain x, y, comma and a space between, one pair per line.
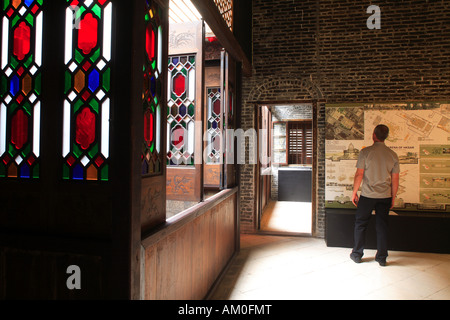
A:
363, 215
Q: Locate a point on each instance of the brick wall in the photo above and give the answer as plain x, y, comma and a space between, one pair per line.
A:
323, 49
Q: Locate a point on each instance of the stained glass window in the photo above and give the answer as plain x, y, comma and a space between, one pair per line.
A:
151, 151
214, 125
20, 88
87, 103
181, 110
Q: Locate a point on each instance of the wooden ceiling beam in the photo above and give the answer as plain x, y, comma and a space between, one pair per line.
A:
213, 18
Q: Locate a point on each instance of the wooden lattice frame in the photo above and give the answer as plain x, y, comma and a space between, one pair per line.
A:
226, 10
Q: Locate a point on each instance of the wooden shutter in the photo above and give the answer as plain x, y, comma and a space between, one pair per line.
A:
300, 148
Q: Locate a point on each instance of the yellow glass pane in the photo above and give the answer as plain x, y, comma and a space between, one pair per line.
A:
80, 81
12, 171
91, 173
16, 3
26, 84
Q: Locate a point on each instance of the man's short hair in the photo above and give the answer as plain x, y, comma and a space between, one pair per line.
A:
381, 132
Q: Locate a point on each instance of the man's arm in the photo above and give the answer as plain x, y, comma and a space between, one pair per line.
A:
356, 184
395, 178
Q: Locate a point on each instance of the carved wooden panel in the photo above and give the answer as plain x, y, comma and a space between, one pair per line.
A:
212, 174
183, 184
153, 202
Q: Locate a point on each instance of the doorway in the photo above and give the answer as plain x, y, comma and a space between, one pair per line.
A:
286, 181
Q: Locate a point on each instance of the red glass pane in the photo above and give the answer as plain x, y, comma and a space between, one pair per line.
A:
217, 107
150, 42
178, 137
85, 128
179, 84
21, 40
19, 129
148, 127
87, 34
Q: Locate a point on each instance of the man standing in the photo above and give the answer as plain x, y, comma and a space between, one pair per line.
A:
378, 170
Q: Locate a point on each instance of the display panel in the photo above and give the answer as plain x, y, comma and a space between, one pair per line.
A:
419, 134
87, 103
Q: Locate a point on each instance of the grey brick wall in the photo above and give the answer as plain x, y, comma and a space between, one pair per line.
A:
322, 49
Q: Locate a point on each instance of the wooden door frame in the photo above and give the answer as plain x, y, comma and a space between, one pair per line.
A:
314, 187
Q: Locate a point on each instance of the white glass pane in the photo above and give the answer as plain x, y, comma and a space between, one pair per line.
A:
106, 110
107, 23
5, 35
2, 129
191, 137
169, 138
68, 36
37, 129
160, 56
66, 129
39, 40
158, 129
191, 96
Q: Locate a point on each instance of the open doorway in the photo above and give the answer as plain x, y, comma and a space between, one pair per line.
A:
286, 182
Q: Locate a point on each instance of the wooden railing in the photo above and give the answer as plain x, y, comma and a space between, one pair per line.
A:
183, 259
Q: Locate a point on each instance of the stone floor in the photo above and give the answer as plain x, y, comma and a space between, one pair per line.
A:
302, 268
285, 216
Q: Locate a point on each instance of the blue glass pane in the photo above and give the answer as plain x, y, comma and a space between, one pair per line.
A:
24, 171
183, 110
28, 2
153, 86
78, 172
94, 80
15, 85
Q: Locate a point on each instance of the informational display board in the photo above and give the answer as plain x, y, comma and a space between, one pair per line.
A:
419, 134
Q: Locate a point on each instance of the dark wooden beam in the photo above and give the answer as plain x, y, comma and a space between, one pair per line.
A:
212, 16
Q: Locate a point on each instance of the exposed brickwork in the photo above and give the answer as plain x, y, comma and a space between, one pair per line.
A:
313, 49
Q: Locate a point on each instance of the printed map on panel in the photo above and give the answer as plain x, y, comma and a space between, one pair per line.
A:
421, 138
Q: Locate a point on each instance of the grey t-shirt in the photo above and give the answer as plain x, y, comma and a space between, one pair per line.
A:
378, 162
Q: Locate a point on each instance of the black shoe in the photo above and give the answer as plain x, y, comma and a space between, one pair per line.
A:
355, 258
382, 263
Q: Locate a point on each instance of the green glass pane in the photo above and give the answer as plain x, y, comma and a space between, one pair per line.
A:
191, 110
30, 19
94, 105
14, 63
97, 11
26, 151
12, 108
28, 108
107, 79
66, 172
12, 151
77, 106
37, 84
80, 12
77, 151
5, 4
15, 19
41, 1
78, 56
68, 82
29, 61
94, 151
104, 173
35, 172
95, 55
3, 85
